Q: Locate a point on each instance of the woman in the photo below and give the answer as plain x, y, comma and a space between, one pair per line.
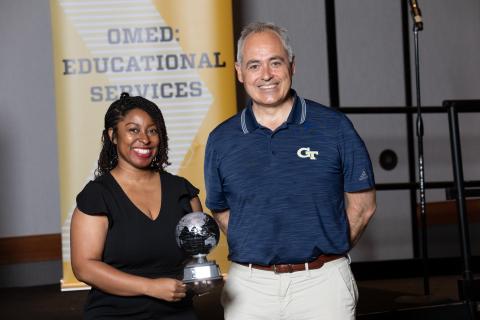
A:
123, 228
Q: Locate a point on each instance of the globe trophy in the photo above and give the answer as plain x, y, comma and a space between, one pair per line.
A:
197, 234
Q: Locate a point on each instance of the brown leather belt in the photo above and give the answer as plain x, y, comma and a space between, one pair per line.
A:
289, 268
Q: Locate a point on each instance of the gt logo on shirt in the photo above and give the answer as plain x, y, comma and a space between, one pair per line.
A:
306, 153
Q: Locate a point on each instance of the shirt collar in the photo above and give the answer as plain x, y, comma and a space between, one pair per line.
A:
297, 115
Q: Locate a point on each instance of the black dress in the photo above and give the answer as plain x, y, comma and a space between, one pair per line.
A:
138, 245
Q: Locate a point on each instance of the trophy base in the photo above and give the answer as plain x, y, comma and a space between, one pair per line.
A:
202, 287
207, 271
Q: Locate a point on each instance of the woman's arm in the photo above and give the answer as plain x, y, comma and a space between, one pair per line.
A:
196, 204
87, 240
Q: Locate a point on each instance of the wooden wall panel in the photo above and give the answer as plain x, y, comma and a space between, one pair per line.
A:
26, 249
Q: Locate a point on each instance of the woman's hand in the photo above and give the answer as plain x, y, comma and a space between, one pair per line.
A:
166, 289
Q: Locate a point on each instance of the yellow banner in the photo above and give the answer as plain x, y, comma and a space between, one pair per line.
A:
177, 53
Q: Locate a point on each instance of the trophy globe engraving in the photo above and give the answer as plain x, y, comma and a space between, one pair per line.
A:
197, 234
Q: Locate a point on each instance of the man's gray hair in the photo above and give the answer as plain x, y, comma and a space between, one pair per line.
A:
256, 27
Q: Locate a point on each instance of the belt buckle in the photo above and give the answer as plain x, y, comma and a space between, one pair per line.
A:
290, 269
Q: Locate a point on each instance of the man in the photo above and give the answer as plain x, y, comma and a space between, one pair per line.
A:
291, 185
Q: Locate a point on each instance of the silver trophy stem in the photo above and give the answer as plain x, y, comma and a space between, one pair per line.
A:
200, 258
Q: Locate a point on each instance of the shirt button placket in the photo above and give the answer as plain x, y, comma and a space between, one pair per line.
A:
271, 149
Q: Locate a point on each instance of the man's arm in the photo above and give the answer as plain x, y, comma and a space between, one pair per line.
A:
360, 207
222, 220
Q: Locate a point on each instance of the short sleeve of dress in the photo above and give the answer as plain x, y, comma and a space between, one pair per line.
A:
190, 189
91, 200
187, 193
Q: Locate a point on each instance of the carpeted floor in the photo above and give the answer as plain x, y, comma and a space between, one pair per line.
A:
379, 299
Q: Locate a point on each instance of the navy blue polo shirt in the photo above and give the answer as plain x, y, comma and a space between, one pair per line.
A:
285, 188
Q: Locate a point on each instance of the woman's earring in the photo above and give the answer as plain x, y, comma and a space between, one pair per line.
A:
113, 157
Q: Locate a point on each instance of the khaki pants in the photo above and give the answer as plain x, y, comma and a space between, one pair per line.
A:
328, 293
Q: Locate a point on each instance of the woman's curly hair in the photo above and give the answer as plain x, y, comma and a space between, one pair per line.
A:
116, 112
